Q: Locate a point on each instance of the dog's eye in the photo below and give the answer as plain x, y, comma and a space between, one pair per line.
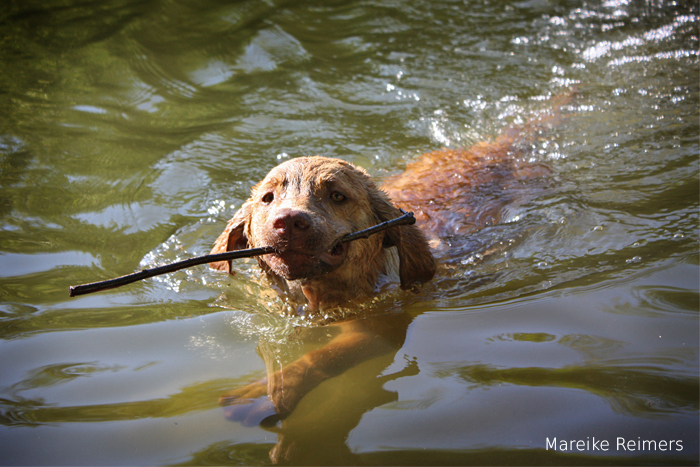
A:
268, 197
338, 197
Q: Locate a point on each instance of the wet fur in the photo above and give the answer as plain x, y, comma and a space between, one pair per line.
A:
308, 185
452, 192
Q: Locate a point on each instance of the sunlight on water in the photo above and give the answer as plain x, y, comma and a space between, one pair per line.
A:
134, 131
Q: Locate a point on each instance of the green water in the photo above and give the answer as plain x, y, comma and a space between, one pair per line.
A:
131, 131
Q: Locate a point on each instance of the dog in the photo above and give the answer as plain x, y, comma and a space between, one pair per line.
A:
304, 206
302, 209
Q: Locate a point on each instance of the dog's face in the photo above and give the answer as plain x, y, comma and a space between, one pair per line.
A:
302, 209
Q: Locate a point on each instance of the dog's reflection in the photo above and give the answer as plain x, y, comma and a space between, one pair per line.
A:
353, 356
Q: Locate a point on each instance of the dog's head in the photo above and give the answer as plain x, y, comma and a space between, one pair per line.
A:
302, 209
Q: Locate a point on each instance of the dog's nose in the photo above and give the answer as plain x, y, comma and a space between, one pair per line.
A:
289, 222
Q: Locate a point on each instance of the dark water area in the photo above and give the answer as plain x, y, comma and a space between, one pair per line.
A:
132, 131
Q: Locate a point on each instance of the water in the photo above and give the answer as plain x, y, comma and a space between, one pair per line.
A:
132, 131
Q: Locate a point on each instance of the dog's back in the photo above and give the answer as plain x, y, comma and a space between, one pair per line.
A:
455, 191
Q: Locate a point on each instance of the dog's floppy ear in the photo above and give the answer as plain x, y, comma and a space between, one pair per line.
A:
233, 237
416, 262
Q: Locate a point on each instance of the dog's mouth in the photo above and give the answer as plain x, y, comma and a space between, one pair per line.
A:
295, 264
336, 255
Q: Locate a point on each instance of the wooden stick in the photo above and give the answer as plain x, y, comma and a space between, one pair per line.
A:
74, 290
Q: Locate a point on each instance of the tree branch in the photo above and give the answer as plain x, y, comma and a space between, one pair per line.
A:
74, 290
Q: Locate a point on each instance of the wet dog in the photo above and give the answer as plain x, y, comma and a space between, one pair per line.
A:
302, 209
304, 206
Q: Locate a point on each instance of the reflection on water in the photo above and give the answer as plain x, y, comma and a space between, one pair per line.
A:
132, 131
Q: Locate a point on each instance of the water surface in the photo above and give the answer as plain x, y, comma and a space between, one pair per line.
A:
132, 131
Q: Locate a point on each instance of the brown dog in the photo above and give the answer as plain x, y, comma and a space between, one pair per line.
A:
304, 206
302, 209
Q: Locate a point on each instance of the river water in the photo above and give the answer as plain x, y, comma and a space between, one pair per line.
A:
131, 131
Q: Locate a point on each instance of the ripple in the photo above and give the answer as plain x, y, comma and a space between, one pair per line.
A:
55, 374
18, 264
657, 301
127, 218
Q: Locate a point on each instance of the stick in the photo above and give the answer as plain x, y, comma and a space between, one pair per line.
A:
74, 290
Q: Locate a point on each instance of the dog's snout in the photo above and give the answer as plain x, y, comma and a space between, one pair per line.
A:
289, 222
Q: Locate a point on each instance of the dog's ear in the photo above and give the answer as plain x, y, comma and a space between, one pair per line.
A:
233, 237
416, 262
